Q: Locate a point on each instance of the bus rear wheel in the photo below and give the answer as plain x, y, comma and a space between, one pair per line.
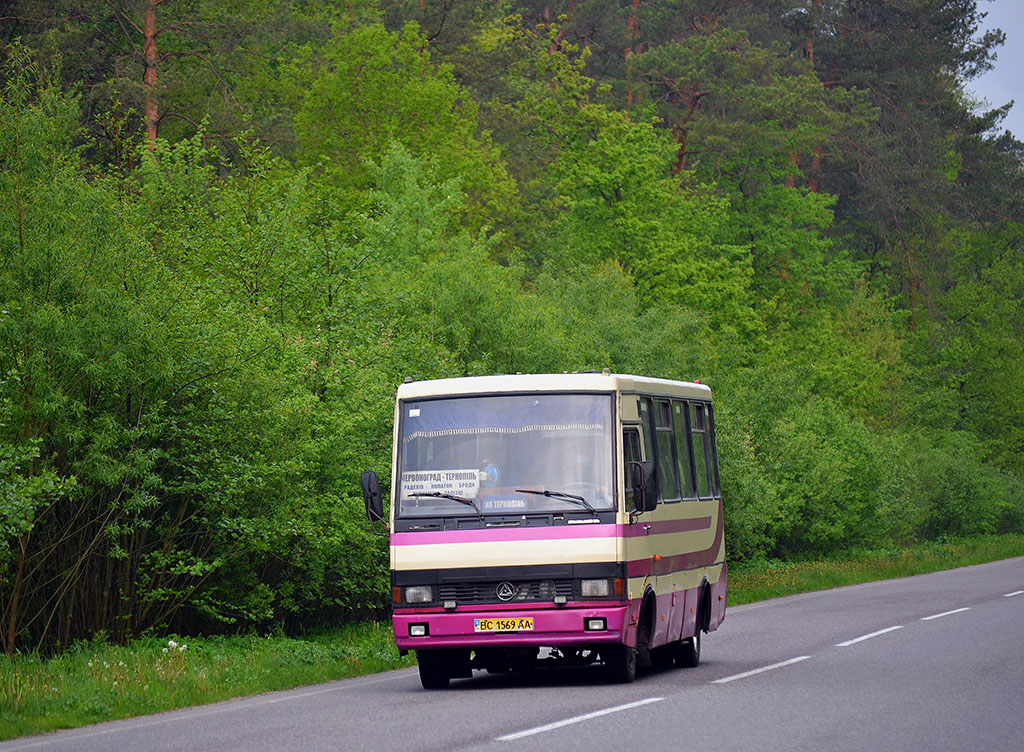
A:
434, 672
688, 652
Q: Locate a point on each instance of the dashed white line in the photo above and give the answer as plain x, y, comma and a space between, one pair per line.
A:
576, 719
945, 613
855, 640
761, 670
1016, 592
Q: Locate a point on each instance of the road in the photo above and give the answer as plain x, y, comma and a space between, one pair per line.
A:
933, 662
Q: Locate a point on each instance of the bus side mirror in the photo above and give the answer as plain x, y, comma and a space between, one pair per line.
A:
643, 478
372, 496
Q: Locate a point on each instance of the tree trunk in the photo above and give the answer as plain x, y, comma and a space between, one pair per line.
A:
149, 78
13, 612
632, 34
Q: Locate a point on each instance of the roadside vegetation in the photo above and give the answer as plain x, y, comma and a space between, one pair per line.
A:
229, 230
222, 249
96, 681
760, 580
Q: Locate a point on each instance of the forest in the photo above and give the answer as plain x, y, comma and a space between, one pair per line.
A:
230, 229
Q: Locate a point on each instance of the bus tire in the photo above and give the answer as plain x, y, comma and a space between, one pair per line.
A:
433, 671
688, 652
621, 663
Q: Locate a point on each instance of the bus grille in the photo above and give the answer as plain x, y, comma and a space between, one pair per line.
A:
487, 592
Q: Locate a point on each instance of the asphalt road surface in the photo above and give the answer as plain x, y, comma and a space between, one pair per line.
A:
934, 662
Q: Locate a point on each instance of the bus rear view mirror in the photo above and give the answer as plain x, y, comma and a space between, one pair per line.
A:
372, 496
643, 478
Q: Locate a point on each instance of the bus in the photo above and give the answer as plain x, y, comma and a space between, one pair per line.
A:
568, 518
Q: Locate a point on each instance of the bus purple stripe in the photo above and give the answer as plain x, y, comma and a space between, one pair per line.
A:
562, 532
494, 535
678, 562
667, 526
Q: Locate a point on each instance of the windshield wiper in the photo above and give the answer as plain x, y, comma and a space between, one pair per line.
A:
561, 495
453, 497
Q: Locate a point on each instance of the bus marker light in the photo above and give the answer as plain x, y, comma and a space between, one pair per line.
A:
449, 605
560, 600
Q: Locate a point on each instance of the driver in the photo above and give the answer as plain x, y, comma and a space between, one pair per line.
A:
489, 474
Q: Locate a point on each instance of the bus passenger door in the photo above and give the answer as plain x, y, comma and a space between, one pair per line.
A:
630, 453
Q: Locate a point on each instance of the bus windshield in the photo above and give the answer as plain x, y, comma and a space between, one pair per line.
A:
505, 454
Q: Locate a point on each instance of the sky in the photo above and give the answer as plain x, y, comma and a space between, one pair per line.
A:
1006, 82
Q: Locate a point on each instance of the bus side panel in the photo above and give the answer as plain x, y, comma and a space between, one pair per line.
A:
677, 615
672, 550
660, 635
718, 599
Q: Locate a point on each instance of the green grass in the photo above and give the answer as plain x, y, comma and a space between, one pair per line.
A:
762, 580
96, 682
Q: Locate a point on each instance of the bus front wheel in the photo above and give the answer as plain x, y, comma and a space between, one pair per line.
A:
621, 663
434, 672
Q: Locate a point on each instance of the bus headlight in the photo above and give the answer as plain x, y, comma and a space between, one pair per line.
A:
419, 594
594, 588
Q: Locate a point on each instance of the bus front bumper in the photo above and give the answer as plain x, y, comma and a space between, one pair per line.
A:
550, 627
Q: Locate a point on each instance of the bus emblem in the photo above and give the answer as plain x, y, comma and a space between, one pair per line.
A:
505, 591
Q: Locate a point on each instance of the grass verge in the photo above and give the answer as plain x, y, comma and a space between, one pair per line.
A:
96, 682
758, 581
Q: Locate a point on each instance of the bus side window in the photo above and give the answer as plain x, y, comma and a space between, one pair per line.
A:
668, 468
713, 443
684, 451
630, 453
698, 430
650, 449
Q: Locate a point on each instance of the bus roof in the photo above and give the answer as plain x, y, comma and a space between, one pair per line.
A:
552, 382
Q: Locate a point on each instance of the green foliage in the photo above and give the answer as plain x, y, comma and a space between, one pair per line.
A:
200, 338
367, 89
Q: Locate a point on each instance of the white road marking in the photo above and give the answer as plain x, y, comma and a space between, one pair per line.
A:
855, 640
576, 719
944, 613
1016, 592
761, 670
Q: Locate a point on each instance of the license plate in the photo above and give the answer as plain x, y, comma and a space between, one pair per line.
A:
521, 624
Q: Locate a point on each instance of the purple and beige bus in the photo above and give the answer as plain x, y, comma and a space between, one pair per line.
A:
558, 517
